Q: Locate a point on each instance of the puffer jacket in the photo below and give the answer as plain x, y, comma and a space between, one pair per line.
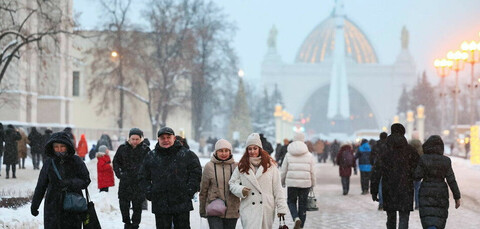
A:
363, 155
210, 189
298, 168
104, 171
434, 168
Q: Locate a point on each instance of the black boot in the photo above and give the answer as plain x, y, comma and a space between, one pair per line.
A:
127, 226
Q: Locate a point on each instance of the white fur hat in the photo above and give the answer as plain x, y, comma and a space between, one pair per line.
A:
223, 144
254, 139
299, 136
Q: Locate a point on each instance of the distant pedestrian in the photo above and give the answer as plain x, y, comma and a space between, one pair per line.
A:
434, 168
126, 164
106, 141
363, 156
214, 186
346, 161
10, 157
298, 174
92, 152
279, 156
36, 147
82, 148
69, 131
22, 148
334, 148
104, 169
45, 138
379, 149
417, 144
267, 146
170, 176
257, 182
2, 140
395, 169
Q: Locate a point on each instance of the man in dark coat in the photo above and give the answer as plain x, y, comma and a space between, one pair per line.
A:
171, 176
377, 150
2, 139
10, 158
75, 177
266, 145
395, 168
126, 164
36, 147
45, 138
434, 168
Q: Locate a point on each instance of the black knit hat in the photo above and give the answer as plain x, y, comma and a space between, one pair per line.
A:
165, 130
135, 131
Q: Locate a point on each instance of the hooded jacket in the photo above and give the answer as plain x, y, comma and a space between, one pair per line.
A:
75, 177
104, 171
82, 148
434, 168
298, 167
363, 155
11, 152
210, 189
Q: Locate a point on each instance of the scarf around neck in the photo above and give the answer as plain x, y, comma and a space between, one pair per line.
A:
255, 162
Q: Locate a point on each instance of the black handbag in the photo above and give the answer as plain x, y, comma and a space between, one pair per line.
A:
311, 201
72, 201
91, 218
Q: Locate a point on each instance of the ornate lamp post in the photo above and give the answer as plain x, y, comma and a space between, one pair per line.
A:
278, 123
472, 50
443, 67
410, 121
458, 63
421, 122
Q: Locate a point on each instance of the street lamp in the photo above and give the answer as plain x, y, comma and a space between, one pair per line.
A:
114, 54
443, 67
458, 63
471, 48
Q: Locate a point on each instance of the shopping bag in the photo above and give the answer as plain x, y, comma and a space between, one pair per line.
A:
311, 201
91, 220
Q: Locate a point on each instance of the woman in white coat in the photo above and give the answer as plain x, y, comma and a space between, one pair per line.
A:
256, 181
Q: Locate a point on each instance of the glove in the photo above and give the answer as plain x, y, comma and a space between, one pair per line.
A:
374, 197
34, 211
245, 191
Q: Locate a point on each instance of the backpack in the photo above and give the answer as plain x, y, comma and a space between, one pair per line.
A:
348, 159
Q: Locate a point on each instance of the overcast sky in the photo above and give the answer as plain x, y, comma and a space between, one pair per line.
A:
435, 26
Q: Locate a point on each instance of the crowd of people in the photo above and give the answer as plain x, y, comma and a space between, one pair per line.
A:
400, 175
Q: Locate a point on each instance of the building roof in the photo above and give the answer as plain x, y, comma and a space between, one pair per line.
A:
320, 43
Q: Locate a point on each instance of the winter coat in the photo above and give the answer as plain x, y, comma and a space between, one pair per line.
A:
126, 164
170, 177
434, 168
298, 167
257, 209
345, 170
82, 148
377, 150
22, 144
104, 171
281, 155
36, 142
75, 177
11, 154
417, 144
2, 139
210, 189
363, 156
395, 167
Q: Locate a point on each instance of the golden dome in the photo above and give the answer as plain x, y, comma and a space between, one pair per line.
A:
321, 41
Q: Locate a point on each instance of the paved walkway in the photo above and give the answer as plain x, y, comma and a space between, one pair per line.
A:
359, 211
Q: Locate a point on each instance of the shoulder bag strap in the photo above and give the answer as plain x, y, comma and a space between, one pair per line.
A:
215, 169
88, 196
56, 170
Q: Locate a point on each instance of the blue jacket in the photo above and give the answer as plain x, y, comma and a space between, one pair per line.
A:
363, 156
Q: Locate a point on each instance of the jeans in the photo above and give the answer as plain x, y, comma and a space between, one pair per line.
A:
137, 211
36, 160
180, 220
402, 222
300, 194
221, 223
417, 188
432, 227
365, 180
345, 184
380, 195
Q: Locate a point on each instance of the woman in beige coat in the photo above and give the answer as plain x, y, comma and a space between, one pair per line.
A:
214, 185
22, 148
256, 181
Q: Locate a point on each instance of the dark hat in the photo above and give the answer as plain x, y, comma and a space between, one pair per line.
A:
165, 130
135, 131
364, 141
383, 135
397, 128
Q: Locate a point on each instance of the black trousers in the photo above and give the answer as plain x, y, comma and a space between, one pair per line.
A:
215, 222
7, 169
365, 180
402, 221
137, 211
345, 184
179, 220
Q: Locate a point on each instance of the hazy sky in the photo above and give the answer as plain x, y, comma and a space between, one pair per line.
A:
435, 26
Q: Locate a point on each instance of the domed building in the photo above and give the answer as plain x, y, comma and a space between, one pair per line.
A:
337, 79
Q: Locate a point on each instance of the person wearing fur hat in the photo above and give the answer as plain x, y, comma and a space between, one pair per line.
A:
170, 176
257, 182
74, 177
298, 174
126, 164
395, 168
214, 185
434, 169
104, 169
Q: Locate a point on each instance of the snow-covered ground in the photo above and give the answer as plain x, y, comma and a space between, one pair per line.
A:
106, 204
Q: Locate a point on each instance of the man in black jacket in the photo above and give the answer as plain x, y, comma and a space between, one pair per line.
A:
126, 164
170, 176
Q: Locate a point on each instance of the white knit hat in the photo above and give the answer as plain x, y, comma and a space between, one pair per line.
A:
299, 136
223, 144
254, 139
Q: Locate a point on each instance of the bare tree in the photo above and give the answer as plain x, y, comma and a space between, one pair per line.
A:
29, 22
